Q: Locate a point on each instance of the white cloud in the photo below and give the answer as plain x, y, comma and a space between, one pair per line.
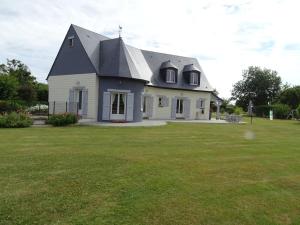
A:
226, 36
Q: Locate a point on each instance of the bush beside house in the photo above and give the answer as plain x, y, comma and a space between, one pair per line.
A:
62, 119
15, 120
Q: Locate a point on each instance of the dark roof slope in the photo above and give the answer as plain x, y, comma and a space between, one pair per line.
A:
90, 42
120, 60
95, 53
154, 60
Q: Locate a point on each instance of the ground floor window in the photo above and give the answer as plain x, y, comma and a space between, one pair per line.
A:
179, 106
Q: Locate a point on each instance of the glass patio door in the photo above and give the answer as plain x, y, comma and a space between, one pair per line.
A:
118, 106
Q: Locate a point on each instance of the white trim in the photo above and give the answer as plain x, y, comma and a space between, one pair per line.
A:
117, 90
171, 76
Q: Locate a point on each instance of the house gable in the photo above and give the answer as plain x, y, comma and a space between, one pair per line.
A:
72, 60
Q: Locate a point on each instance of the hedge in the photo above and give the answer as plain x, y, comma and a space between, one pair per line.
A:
280, 111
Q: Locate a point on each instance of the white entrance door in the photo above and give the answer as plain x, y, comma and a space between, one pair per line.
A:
179, 108
118, 106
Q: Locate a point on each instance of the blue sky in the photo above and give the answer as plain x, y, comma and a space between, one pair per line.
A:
226, 36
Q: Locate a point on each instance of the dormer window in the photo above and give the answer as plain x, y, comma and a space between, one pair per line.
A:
71, 41
171, 76
168, 72
191, 74
194, 78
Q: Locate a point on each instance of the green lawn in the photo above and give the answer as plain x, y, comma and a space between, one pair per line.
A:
175, 174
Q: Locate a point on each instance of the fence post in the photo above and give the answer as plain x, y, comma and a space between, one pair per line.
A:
53, 108
66, 107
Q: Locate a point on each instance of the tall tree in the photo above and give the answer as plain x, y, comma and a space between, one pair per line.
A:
259, 85
291, 97
8, 87
26, 83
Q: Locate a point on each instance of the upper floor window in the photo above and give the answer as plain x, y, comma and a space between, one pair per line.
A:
171, 76
194, 78
71, 41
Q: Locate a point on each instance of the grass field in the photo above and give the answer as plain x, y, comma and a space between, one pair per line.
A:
176, 174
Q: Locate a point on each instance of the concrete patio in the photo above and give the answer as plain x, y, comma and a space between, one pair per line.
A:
148, 123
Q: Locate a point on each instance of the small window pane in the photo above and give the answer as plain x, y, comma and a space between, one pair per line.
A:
122, 103
171, 76
194, 78
71, 42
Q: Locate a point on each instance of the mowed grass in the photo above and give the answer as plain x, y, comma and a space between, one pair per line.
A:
176, 174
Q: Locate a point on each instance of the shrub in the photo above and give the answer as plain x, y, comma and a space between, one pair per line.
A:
229, 109
298, 112
262, 110
62, 119
11, 106
14, 120
238, 111
281, 111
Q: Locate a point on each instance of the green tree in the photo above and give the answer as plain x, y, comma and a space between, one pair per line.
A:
42, 92
265, 83
26, 85
291, 97
20, 71
8, 87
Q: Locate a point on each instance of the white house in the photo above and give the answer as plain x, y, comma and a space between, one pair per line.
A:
106, 80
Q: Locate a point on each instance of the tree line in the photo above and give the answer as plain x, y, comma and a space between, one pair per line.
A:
265, 89
17, 83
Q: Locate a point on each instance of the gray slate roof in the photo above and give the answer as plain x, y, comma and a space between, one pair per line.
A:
90, 42
112, 57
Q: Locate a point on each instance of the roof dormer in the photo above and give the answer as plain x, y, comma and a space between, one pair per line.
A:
191, 74
169, 72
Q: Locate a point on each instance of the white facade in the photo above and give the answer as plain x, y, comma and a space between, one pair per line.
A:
59, 91
164, 112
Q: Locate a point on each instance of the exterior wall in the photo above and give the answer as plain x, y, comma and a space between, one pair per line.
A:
165, 112
60, 85
134, 86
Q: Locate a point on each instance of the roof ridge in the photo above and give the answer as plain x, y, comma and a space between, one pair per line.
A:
74, 25
168, 54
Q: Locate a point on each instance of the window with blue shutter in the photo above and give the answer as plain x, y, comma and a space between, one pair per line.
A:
129, 107
72, 105
84, 102
186, 108
173, 108
106, 106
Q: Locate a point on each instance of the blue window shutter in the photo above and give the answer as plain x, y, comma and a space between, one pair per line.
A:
85, 102
106, 106
71, 105
186, 108
150, 106
165, 101
129, 107
173, 108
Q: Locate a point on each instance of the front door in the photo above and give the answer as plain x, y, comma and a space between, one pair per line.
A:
179, 108
118, 106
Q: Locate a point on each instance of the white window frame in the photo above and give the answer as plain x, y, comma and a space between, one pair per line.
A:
194, 78
170, 76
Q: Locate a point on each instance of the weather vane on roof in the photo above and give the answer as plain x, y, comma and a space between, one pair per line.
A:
120, 31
